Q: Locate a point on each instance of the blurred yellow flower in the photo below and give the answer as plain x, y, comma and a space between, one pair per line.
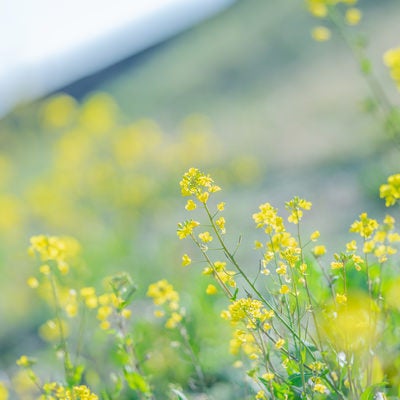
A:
211, 289
353, 16
321, 34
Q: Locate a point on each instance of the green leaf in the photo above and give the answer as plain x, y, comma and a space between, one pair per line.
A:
296, 380
136, 382
366, 66
180, 395
233, 298
369, 394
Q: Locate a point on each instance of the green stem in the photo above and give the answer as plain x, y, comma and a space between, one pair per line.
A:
251, 285
194, 359
68, 368
360, 56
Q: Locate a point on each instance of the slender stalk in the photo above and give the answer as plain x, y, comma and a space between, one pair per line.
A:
358, 53
68, 368
194, 359
251, 285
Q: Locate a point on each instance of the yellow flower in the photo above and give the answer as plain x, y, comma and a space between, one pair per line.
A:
221, 206
25, 361
319, 388
336, 265
203, 197
321, 34
87, 291
126, 313
317, 9
190, 205
296, 205
281, 270
358, 261
32, 282
186, 228
159, 313
258, 244
103, 312
314, 236
365, 226
105, 325
284, 289
194, 182
186, 260
220, 222
44, 269
52, 330
391, 190
3, 391
63, 267
368, 247
268, 376
71, 309
279, 343
54, 391
211, 289
303, 268
351, 246
173, 321
317, 366
104, 299
205, 237
353, 16
260, 395
341, 298
319, 251
163, 292
393, 237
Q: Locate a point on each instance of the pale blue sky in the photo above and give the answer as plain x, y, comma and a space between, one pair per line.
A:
46, 44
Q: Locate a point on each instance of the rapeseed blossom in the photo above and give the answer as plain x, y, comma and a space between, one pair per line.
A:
185, 229
195, 183
365, 226
321, 34
296, 207
353, 16
323, 9
390, 191
163, 293
392, 60
247, 310
55, 391
3, 391
218, 270
319, 250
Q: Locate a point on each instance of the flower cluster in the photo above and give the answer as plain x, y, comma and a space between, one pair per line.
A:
54, 391
280, 242
251, 312
390, 191
53, 248
323, 9
378, 238
296, 207
185, 229
365, 226
164, 294
195, 183
221, 274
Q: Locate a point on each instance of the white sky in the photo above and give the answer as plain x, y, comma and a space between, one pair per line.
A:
45, 44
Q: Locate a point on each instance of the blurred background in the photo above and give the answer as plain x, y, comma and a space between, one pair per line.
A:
105, 106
